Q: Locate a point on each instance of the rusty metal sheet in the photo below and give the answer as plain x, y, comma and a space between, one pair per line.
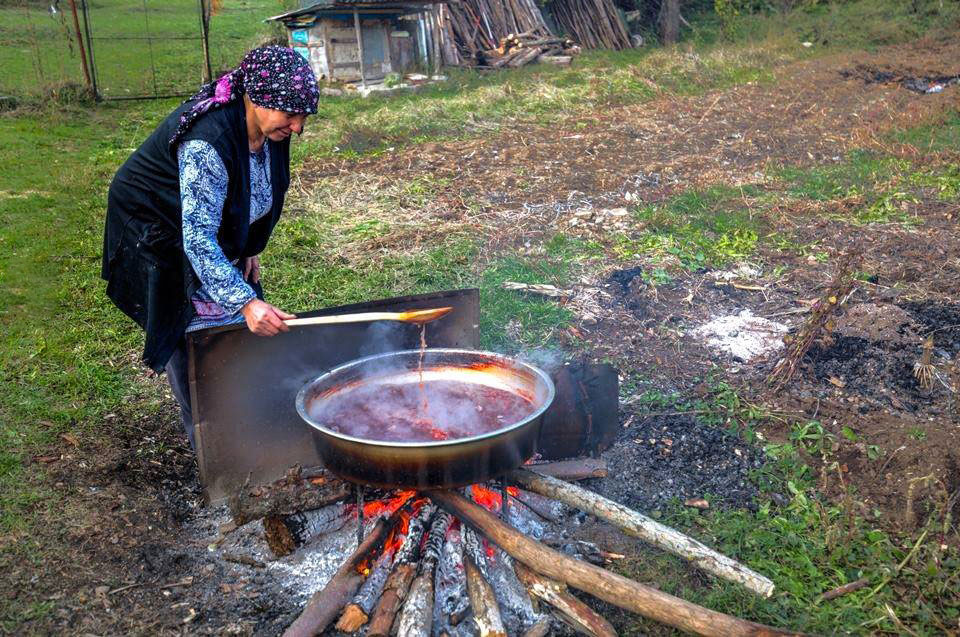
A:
242, 386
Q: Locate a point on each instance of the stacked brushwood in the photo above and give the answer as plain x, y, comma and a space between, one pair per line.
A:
480, 25
595, 24
516, 50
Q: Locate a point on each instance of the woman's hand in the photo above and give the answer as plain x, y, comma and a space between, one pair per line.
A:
264, 319
251, 269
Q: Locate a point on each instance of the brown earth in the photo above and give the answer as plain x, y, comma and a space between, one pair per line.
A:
129, 567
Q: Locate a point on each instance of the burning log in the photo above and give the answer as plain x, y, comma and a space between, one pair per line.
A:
285, 533
451, 604
546, 508
638, 525
405, 569
416, 617
574, 612
323, 607
485, 610
358, 611
516, 608
610, 587
292, 494
572, 470
394, 592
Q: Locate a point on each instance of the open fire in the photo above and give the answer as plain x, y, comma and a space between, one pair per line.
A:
490, 558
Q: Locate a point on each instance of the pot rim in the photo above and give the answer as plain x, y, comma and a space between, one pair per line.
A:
536, 371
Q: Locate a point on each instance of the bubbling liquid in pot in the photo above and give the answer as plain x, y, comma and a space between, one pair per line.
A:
395, 412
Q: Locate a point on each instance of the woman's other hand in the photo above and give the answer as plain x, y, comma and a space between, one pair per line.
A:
251, 269
264, 319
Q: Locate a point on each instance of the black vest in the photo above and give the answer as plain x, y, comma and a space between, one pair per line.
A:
148, 274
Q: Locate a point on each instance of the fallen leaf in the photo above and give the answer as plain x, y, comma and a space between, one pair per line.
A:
697, 503
836, 381
70, 438
46, 459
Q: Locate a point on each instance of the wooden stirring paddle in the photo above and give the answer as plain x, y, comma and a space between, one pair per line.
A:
414, 316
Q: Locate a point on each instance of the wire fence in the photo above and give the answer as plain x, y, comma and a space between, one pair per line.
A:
124, 49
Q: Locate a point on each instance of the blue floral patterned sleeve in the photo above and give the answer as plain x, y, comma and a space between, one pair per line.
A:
203, 190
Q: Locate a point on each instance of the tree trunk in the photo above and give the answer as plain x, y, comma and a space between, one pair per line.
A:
670, 21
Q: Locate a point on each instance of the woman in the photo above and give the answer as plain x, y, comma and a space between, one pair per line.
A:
190, 210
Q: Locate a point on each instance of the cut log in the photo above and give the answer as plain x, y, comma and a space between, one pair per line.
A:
524, 57
278, 536
485, 611
610, 587
640, 526
580, 616
287, 496
572, 470
323, 607
556, 60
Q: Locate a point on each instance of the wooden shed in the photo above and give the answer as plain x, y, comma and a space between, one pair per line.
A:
390, 37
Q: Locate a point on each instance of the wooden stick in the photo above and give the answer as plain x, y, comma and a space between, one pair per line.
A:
416, 618
404, 570
575, 612
357, 612
323, 607
839, 591
639, 525
413, 316
486, 613
610, 587
571, 470
394, 592
540, 629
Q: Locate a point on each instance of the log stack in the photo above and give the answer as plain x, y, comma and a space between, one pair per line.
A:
595, 24
443, 561
519, 49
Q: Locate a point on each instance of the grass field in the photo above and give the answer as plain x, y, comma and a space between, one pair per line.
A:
139, 48
68, 360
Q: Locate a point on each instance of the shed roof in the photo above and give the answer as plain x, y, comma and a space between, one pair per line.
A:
325, 6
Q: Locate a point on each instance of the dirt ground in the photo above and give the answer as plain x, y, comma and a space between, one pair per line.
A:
133, 506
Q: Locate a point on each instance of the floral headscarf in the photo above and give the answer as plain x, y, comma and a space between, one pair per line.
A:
273, 76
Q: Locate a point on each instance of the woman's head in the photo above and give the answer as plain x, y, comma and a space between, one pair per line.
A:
278, 82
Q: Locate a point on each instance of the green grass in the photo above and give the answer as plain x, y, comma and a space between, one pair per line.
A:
707, 228
138, 48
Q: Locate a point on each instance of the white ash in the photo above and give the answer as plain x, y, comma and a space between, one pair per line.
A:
744, 272
522, 518
309, 568
743, 336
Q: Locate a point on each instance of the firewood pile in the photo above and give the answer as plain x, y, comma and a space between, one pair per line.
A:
513, 33
516, 50
595, 24
492, 560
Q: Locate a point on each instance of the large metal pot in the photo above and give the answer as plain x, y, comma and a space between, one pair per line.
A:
444, 463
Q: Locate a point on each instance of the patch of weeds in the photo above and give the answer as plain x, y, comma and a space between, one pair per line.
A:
367, 229
421, 190
888, 207
917, 433
572, 249
698, 228
944, 180
861, 170
812, 437
943, 133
